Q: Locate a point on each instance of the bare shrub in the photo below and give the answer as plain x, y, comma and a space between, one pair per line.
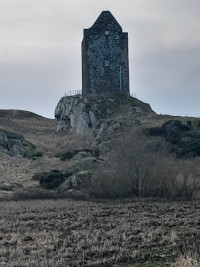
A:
145, 169
187, 182
108, 184
186, 262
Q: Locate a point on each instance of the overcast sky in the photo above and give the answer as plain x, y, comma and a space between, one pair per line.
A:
40, 51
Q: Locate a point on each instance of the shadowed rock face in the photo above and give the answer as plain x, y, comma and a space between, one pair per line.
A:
105, 117
15, 144
83, 113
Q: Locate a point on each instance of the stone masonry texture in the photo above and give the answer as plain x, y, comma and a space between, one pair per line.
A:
105, 66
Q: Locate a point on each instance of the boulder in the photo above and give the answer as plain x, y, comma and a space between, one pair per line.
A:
113, 127
103, 147
81, 164
15, 144
16, 148
75, 181
82, 154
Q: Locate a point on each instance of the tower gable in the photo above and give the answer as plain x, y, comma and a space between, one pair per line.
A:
105, 22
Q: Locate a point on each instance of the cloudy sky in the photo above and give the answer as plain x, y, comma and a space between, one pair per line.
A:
40, 51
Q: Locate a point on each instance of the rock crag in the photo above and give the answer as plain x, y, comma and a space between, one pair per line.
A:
75, 112
101, 117
15, 144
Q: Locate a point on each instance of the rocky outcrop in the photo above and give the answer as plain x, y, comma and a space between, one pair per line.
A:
82, 113
75, 112
79, 170
81, 164
106, 117
15, 144
75, 181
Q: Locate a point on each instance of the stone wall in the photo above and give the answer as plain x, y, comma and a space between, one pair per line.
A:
105, 67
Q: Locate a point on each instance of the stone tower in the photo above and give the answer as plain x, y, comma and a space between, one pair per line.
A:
105, 67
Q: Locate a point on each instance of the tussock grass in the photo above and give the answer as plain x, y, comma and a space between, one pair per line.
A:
76, 233
186, 262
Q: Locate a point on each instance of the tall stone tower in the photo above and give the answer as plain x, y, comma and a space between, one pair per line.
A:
105, 66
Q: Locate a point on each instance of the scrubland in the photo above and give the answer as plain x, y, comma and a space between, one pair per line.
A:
138, 222
134, 232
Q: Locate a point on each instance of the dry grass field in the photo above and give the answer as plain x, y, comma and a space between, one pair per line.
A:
16, 172
113, 233
63, 232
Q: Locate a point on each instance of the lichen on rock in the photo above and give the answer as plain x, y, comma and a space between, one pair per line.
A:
73, 111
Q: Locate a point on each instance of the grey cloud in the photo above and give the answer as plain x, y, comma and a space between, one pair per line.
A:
37, 87
169, 80
40, 51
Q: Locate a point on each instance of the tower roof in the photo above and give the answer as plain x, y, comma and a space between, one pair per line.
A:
105, 21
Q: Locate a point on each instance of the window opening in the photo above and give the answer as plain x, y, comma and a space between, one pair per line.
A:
107, 63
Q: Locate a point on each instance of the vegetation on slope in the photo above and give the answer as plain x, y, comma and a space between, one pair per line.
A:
49, 180
138, 232
144, 168
183, 138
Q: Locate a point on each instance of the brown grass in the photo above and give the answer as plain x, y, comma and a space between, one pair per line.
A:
186, 262
16, 172
70, 233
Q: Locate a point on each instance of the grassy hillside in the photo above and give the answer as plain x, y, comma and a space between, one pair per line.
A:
51, 147
142, 163
16, 172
